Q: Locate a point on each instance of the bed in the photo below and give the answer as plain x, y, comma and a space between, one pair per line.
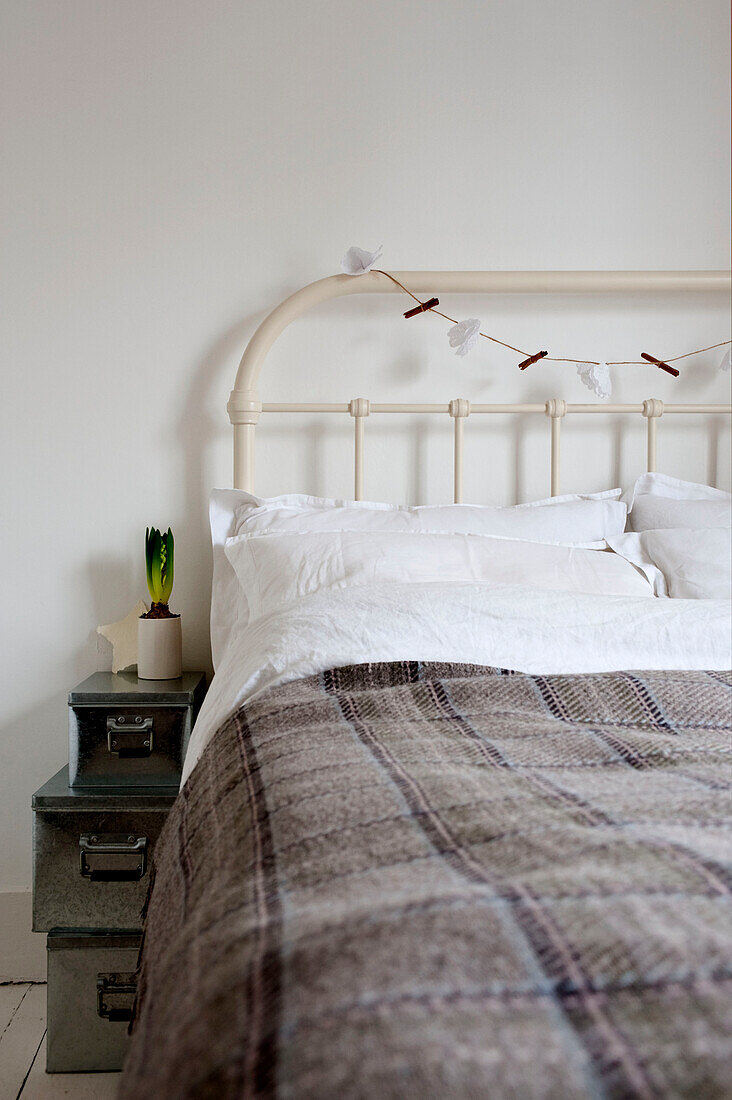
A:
455, 815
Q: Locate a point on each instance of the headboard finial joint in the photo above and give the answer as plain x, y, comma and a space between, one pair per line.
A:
244, 407
653, 406
556, 408
359, 406
459, 407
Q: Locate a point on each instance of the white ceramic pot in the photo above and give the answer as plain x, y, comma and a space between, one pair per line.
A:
159, 649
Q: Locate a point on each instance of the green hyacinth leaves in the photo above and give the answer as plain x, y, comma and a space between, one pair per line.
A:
159, 553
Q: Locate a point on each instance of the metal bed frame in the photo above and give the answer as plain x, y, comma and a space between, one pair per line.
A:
245, 407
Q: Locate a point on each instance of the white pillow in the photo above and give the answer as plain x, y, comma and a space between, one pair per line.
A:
683, 564
276, 570
228, 602
570, 520
662, 502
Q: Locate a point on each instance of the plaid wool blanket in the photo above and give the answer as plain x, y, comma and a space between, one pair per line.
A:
445, 881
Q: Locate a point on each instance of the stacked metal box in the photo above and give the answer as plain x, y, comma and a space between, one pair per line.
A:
96, 823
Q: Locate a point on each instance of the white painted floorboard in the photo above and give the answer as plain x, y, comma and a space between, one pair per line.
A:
21, 1036
77, 1086
23, 1053
10, 998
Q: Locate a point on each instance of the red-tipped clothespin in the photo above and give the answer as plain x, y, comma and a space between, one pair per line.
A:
422, 307
659, 363
532, 359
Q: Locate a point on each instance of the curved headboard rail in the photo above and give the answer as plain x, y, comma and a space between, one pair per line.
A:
244, 405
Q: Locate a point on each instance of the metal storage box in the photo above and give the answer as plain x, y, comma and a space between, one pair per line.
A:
91, 853
129, 732
91, 988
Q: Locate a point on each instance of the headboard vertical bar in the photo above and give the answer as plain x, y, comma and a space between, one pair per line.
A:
556, 408
458, 472
556, 446
651, 460
359, 409
244, 409
653, 411
358, 479
459, 409
244, 456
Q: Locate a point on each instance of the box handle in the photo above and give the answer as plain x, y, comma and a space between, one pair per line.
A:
115, 996
129, 735
112, 857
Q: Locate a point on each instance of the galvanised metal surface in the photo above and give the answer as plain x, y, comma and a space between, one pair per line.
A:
91, 984
92, 852
129, 732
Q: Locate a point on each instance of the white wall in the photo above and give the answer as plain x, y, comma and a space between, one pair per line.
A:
172, 169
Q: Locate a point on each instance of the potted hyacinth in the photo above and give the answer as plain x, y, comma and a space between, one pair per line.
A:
159, 643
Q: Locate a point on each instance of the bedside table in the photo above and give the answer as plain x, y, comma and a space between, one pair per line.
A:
92, 848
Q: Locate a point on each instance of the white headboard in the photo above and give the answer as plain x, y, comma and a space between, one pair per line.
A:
245, 407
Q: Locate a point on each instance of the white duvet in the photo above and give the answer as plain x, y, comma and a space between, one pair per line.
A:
510, 626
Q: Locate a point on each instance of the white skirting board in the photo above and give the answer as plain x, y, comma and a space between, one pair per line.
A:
22, 952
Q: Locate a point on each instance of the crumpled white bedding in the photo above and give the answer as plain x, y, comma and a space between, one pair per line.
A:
510, 626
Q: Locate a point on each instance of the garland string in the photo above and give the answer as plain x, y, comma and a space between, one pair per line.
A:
550, 358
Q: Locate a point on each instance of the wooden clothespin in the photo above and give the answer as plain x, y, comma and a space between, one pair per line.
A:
422, 307
532, 359
659, 363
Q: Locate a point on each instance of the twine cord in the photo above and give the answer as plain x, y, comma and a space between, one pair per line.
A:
551, 358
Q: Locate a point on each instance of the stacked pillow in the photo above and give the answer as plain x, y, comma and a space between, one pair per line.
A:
569, 520
272, 551
279, 570
243, 525
661, 503
679, 537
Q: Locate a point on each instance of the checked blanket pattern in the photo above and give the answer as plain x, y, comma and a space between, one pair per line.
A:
445, 881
